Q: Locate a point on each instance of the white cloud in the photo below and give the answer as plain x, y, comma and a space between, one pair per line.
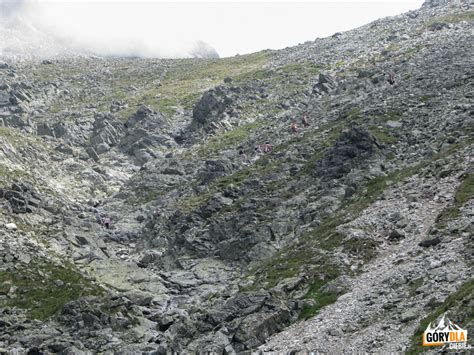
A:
164, 29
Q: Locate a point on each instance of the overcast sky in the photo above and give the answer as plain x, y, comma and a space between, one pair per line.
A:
156, 28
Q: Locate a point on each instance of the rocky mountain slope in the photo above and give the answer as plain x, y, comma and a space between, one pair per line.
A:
350, 235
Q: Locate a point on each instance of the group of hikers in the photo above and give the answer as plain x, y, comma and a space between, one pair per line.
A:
304, 122
101, 218
259, 150
267, 146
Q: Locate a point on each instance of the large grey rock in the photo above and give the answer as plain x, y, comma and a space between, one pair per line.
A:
325, 84
239, 306
56, 130
4, 98
408, 315
354, 148
22, 197
143, 113
249, 318
106, 133
212, 104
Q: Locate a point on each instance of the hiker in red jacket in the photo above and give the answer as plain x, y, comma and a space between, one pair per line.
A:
267, 147
294, 128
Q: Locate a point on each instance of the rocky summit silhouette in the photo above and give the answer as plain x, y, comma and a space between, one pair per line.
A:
184, 205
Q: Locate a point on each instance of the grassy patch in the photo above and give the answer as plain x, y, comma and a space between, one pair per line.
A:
237, 178
451, 18
364, 248
190, 77
426, 98
305, 254
459, 305
331, 137
445, 19
382, 135
9, 174
300, 68
465, 190
392, 115
229, 139
12, 136
413, 50
320, 298
331, 239
464, 193
259, 74
415, 285
40, 291
283, 75
164, 85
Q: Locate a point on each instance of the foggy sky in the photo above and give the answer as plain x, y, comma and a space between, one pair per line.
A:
161, 29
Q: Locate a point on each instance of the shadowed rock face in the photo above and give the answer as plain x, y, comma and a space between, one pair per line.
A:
167, 206
106, 133
22, 197
355, 147
211, 105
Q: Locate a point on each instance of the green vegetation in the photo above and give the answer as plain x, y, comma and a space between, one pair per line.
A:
44, 288
393, 115
426, 98
185, 81
300, 70
459, 304
230, 139
8, 171
305, 254
330, 138
464, 193
382, 135
445, 19
319, 298
235, 179
9, 174
413, 50
302, 254
339, 64
53, 72
308, 255
364, 248
164, 85
465, 190
451, 18
11, 136
415, 285
265, 165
